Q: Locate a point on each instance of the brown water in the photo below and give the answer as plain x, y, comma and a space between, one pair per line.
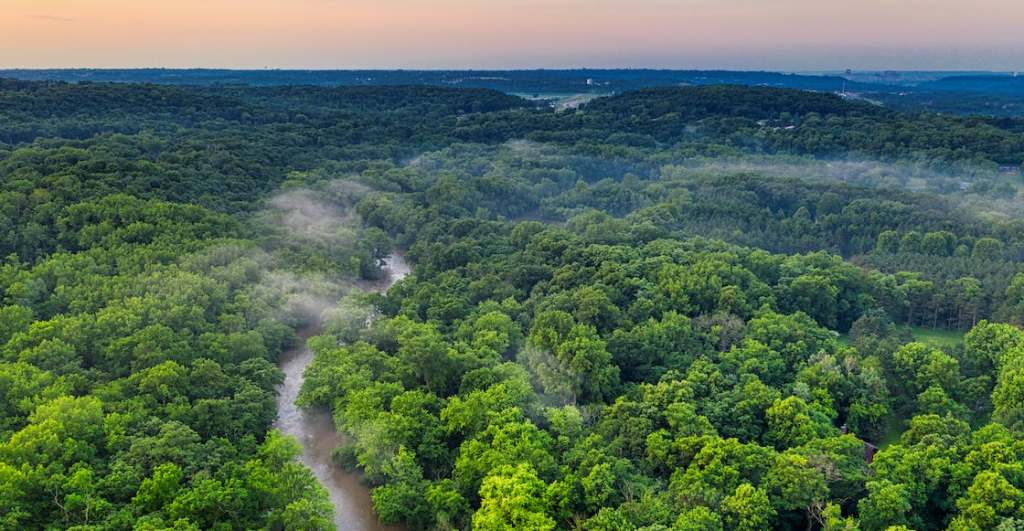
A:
353, 510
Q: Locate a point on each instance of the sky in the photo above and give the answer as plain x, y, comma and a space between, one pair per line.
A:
790, 35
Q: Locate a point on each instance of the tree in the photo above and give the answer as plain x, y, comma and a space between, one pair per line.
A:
887, 505
422, 348
160, 489
449, 507
403, 498
793, 484
967, 293
938, 243
646, 351
830, 518
748, 509
989, 500
918, 367
1015, 299
910, 242
507, 440
511, 497
790, 423
1008, 398
988, 344
917, 293
608, 519
796, 336
571, 360
987, 250
816, 295
699, 518
888, 242
13, 319
716, 472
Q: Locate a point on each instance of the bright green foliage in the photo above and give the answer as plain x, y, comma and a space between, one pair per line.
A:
748, 509
699, 518
602, 331
511, 497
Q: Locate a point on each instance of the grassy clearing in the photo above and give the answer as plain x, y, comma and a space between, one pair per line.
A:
844, 339
937, 337
893, 429
940, 338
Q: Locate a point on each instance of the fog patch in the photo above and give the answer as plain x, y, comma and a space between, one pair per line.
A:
523, 147
301, 263
303, 296
306, 215
858, 172
414, 162
978, 187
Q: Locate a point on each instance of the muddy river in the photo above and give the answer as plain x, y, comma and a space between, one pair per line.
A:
353, 510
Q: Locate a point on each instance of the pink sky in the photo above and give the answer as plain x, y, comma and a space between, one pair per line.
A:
735, 34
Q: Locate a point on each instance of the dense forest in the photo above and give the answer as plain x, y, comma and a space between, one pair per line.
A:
964, 93
687, 308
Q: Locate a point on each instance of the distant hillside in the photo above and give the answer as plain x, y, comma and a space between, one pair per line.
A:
757, 103
978, 93
980, 83
520, 81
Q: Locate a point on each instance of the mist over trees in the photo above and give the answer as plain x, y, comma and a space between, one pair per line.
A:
687, 308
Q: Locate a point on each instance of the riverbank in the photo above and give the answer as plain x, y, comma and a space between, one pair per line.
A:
315, 431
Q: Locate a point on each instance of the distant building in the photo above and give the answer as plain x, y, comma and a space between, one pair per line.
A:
1009, 169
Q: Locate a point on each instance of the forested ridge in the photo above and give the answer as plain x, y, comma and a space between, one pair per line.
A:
990, 94
687, 308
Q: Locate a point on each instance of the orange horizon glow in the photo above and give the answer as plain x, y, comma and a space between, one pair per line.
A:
737, 34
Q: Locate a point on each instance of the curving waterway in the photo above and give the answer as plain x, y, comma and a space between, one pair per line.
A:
353, 510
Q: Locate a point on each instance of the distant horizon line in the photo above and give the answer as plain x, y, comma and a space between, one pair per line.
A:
529, 69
